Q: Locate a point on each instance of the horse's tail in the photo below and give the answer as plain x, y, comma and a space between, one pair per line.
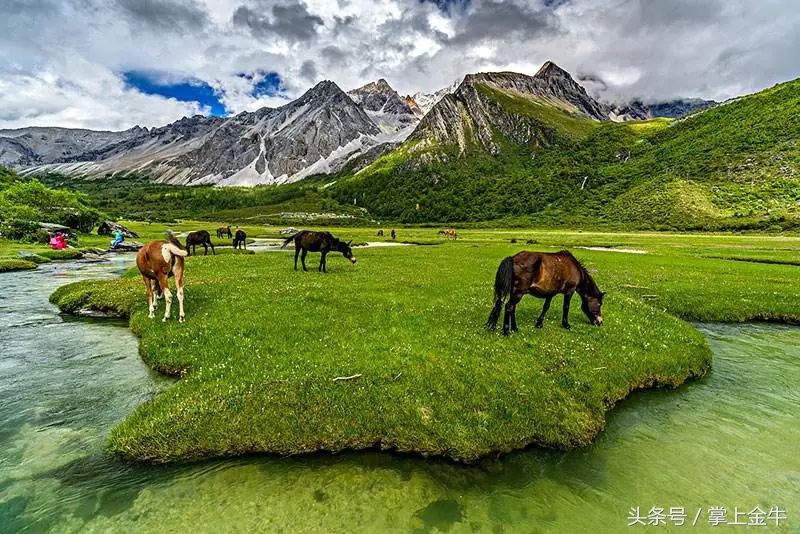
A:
288, 240
172, 247
503, 284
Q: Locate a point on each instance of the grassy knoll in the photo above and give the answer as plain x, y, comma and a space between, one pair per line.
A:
263, 344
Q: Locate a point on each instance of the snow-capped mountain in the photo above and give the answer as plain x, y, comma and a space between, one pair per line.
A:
391, 112
638, 110
318, 132
425, 101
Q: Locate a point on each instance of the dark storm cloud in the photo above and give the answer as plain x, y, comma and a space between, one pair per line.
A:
309, 71
334, 54
291, 21
164, 14
496, 20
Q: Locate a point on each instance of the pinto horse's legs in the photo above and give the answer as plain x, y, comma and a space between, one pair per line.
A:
179, 290
303, 259
545, 307
163, 283
565, 312
151, 301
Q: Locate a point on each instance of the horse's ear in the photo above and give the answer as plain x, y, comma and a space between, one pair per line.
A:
348, 243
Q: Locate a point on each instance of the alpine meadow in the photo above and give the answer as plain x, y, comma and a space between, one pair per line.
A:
399, 266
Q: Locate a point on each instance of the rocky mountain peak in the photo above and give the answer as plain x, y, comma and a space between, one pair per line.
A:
325, 88
551, 70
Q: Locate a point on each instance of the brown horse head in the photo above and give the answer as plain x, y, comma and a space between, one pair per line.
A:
591, 304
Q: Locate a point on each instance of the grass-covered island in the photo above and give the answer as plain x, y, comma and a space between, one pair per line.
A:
263, 345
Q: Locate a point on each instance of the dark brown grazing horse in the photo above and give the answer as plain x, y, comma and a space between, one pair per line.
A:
157, 261
200, 237
224, 231
323, 242
240, 240
543, 275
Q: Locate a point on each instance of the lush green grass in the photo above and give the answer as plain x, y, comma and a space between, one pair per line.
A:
10, 264
262, 344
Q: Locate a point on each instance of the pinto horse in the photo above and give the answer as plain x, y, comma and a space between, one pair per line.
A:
157, 261
200, 237
323, 242
543, 275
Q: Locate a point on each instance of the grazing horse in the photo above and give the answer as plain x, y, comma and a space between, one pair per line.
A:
323, 242
200, 237
449, 233
240, 240
379, 233
224, 231
157, 261
543, 275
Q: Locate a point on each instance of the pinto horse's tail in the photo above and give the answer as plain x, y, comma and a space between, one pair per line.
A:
172, 247
503, 284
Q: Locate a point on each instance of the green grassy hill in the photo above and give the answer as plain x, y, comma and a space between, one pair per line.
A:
735, 166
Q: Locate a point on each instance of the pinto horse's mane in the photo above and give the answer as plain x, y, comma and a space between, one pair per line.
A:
588, 281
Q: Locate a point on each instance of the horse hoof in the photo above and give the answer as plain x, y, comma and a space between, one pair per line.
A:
539, 325
565, 325
181, 319
165, 319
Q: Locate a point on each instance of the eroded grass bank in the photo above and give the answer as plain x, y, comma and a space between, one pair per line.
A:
263, 345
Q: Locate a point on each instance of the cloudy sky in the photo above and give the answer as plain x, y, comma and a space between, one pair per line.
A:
113, 64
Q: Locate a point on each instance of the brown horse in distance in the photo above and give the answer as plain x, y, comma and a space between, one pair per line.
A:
157, 261
543, 275
200, 237
307, 241
224, 231
240, 240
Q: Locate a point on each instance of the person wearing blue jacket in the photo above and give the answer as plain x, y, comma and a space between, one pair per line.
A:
118, 238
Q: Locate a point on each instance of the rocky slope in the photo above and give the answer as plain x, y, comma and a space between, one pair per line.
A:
36, 145
391, 112
505, 103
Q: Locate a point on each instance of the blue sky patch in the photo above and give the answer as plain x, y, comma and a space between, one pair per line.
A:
265, 83
186, 91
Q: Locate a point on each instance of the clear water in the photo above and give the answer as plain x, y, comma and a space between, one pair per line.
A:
730, 439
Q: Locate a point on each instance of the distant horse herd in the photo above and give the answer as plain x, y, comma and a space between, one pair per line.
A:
540, 274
